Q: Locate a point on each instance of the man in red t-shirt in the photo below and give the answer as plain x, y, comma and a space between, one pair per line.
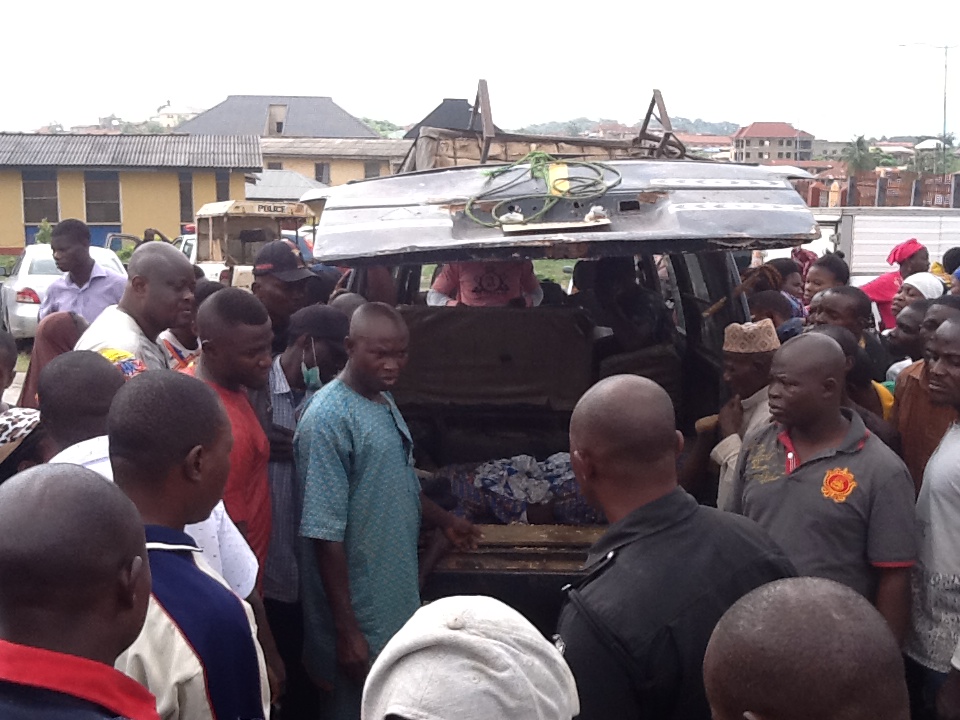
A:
493, 283
235, 334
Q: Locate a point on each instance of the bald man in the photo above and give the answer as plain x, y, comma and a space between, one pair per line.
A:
804, 648
159, 295
74, 591
635, 629
362, 507
836, 499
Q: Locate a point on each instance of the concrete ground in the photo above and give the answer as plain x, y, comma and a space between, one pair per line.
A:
12, 393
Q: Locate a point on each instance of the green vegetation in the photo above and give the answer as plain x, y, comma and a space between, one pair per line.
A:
582, 125
44, 232
23, 360
383, 127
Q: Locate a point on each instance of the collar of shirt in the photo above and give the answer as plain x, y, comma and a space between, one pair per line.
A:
754, 400
278, 379
643, 522
77, 677
164, 538
97, 271
852, 442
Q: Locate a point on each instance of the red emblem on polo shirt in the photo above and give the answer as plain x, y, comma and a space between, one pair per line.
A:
838, 484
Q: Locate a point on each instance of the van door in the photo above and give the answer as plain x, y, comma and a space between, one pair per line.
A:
705, 285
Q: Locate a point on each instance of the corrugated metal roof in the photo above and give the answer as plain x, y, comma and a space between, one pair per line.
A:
236, 152
280, 185
336, 147
304, 117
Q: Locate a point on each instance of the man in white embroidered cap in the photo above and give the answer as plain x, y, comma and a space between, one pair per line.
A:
469, 658
747, 354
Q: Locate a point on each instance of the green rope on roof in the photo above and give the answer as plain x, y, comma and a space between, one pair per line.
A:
586, 188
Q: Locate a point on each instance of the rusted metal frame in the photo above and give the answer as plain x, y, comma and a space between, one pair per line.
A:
488, 132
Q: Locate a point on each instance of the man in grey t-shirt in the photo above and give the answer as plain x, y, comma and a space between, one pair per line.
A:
832, 495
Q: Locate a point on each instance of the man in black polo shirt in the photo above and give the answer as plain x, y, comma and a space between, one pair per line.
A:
831, 494
635, 629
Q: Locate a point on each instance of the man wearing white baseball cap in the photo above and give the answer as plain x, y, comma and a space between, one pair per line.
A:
469, 658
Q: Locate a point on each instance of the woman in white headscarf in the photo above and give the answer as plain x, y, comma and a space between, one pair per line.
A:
918, 286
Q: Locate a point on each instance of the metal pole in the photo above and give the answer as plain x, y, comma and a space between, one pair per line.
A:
946, 51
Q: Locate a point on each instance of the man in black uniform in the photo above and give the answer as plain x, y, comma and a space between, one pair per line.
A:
635, 630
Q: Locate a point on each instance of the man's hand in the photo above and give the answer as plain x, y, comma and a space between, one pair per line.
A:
462, 533
731, 417
948, 699
353, 655
278, 684
281, 444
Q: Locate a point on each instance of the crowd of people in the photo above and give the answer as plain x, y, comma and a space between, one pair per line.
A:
209, 508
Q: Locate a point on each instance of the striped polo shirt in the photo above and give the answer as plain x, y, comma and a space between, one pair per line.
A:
198, 651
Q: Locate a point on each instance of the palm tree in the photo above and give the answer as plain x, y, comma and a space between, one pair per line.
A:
858, 157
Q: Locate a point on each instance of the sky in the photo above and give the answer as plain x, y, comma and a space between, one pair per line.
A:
834, 69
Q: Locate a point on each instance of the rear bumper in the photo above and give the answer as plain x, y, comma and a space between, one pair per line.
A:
22, 320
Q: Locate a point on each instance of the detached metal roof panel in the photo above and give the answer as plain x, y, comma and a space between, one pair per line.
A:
657, 207
235, 152
280, 185
374, 148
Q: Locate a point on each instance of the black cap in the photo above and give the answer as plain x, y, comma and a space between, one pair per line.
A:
321, 322
283, 260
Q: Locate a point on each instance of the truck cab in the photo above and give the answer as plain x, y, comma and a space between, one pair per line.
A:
485, 383
229, 235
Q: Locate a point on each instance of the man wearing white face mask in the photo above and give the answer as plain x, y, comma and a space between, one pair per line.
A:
315, 353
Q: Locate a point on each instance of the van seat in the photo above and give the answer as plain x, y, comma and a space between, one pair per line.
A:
463, 356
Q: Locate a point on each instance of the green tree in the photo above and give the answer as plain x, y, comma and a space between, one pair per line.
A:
381, 127
858, 157
44, 232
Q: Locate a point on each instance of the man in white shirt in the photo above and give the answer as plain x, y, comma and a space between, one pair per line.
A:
748, 351
159, 295
76, 390
934, 635
85, 288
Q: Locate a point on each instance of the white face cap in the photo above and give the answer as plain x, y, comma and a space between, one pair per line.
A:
470, 658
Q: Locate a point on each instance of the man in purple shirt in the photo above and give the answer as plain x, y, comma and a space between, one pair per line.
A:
86, 288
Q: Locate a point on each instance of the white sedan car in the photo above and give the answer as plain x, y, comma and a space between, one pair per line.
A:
26, 286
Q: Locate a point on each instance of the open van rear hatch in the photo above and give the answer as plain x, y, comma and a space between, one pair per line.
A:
648, 206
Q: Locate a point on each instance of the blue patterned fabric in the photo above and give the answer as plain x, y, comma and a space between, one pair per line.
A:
356, 460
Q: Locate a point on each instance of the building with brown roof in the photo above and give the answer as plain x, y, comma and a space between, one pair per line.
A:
764, 141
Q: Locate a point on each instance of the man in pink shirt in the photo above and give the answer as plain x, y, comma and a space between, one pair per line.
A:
492, 283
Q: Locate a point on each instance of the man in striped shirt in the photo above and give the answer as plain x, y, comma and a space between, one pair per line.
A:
314, 355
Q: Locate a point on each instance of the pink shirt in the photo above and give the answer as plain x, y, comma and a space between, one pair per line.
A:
487, 284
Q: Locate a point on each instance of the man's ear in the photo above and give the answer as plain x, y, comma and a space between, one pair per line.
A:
139, 284
680, 441
255, 288
583, 466
350, 344
193, 464
129, 581
830, 386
